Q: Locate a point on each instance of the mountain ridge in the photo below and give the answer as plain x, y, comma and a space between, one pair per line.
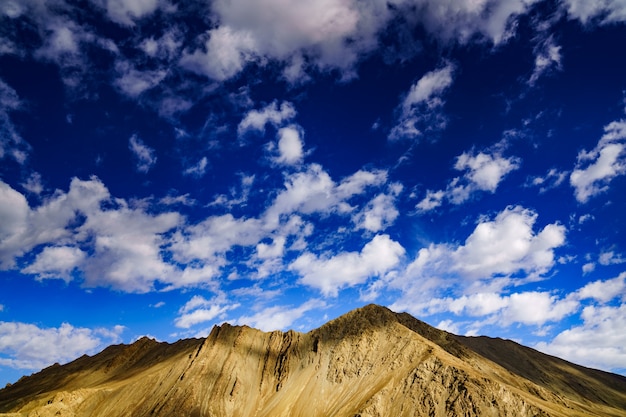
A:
368, 362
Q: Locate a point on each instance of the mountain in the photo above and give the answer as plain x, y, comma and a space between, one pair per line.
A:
369, 362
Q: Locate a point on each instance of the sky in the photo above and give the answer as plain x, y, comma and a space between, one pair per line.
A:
166, 166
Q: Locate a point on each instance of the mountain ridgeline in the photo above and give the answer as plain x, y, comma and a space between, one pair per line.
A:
369, 362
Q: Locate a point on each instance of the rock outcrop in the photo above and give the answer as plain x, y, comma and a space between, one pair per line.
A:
369, 362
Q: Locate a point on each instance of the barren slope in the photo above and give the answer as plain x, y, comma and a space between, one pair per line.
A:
370, 362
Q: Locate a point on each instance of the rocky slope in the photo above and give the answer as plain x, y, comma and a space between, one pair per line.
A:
369, 362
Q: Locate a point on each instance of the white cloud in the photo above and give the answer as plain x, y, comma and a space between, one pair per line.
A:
171, 105
483, 172
56, 262
214, 236
536, 308
530, 308
448, 326
125, 244
290, 145
64, 42
330, 274
599, 342
604, 291
314, 191
255, 120
22, 228
166, 47
265, 29
33, 184
183, 199
227, 53
380, 212
26, 346
596, 168
279, 317
133, 82
273, 250
11, 142
421, 108
552, 179
507, 244
145, 155
64, 39
198, 170
608, 10
126, 12
478, 304
588, 268
491, 258
335, 34
200, 310
432, 200
610, 258
127, 248
428, 89
494, 21
547, 59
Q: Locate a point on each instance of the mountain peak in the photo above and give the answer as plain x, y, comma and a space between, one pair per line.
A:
370, 361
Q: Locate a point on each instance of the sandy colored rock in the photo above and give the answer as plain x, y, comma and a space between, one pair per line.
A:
369, 362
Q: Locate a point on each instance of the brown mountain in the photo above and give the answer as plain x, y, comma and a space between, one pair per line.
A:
369, 362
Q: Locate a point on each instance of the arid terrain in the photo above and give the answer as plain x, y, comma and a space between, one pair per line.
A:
369, 362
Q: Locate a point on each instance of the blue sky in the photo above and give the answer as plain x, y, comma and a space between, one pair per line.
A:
167, 166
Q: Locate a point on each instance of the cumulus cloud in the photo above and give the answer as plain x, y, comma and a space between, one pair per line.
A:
334, 34
610, 258
256, 120
126, 12
420, 110
492, 256
279, 317
483, 171
314, 191
599, 342
56, 262
380, 212
596, 168
529, 308
26, 346
124, 243
199, 310
214, 236
347, 269
608, 11
226, 52
144, 155
604, 291
249, 32
507, 244
206, 245
290, 145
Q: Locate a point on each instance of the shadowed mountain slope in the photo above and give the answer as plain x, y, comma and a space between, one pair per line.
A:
369, 362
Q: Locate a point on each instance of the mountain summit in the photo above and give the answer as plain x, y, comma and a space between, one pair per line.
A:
368, 362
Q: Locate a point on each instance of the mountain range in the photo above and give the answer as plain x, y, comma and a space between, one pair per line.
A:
368, 362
